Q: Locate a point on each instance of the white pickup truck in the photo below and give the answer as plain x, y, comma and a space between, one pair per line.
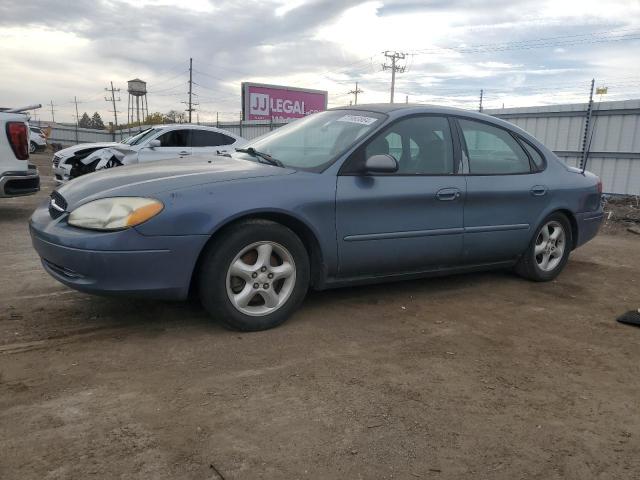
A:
17, 176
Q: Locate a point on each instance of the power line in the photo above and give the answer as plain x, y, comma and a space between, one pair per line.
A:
394, 56
113, 101
355, 93
53, 118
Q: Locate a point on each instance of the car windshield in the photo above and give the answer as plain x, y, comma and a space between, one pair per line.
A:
314, 142
140, 137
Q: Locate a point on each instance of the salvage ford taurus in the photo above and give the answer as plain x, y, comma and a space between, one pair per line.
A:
347, 196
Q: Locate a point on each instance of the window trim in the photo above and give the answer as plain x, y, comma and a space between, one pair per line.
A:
463, 147
456, 151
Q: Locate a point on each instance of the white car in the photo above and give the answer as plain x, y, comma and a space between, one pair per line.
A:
37, 139
160, 142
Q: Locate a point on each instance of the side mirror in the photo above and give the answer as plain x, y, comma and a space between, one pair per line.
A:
154, 143
381, 164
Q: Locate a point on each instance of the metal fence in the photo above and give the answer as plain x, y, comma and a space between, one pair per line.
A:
66, 135
613, 140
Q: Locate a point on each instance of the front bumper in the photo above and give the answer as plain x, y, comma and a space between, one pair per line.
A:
61, 171
16, 184
122, 262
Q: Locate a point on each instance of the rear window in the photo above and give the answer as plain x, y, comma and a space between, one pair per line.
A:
206, 138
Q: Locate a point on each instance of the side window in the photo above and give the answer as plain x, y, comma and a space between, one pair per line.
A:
492, 150
421, 145
206, 138
174, 138
538, 161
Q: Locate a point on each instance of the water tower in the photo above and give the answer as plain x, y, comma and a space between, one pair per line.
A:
137, 101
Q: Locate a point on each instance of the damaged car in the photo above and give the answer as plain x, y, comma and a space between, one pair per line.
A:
161, 142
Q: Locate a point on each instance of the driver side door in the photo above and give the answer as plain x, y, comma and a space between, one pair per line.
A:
407, 221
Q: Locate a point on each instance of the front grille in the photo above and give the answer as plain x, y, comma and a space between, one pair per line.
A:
56, 161
57, 205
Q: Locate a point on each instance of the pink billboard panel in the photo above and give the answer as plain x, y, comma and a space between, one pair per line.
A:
278, 103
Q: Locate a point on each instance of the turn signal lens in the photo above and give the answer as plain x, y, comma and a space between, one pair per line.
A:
142, 214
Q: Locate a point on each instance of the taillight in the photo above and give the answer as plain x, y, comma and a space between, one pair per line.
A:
18, 139
599, 186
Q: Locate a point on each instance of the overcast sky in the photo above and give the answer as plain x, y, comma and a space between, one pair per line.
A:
520, 53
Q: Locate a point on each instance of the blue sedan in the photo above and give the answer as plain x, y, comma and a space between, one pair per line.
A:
353, 195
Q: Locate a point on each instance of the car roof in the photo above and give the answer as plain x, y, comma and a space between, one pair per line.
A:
397, 110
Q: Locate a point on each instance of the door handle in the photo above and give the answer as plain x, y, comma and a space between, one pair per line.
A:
448, 194
538, 190
184, 153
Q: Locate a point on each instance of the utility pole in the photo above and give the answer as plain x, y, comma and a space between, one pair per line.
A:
394, 56
587, 122
113, 102
481, 94
75, 100
190, 109
355, 92
53, 118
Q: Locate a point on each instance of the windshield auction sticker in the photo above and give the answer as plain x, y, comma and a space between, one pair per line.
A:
357, 119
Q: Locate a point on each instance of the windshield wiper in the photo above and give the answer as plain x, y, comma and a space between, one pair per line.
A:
264, 156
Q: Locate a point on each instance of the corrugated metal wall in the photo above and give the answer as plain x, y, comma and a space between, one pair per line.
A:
614, 137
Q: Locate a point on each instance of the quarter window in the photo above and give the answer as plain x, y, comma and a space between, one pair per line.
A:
205, 138
538, 161
174, 138
421, 145
492, 150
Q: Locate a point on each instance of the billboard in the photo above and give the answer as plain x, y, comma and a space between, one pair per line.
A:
277, 103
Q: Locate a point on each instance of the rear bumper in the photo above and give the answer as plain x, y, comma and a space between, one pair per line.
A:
16, 184
109, 263
588, 226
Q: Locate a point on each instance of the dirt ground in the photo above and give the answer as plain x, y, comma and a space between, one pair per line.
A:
482, 376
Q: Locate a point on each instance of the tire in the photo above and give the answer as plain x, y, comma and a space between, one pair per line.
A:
269, 280
33, 147
546, 256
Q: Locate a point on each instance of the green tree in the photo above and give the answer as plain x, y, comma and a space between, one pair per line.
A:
96, 121
85, 121
155, 118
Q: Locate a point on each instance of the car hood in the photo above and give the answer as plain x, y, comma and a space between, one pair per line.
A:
65, 152
151, 178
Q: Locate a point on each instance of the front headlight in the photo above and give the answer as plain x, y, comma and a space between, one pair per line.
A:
115, 213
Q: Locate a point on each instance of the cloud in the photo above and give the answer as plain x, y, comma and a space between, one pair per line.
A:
58, 50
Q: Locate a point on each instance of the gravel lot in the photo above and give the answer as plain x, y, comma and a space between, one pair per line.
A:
482, 376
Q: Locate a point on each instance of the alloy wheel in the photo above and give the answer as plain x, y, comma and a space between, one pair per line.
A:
550, 246
261, 278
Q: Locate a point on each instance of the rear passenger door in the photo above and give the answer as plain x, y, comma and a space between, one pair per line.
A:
505, 193
207, 141
173, 144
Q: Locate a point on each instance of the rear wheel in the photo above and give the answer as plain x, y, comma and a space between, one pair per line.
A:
548, 251
33, 147
254, 276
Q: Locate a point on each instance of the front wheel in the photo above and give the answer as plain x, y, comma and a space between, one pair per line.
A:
33, 147
254, 276
548, 251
